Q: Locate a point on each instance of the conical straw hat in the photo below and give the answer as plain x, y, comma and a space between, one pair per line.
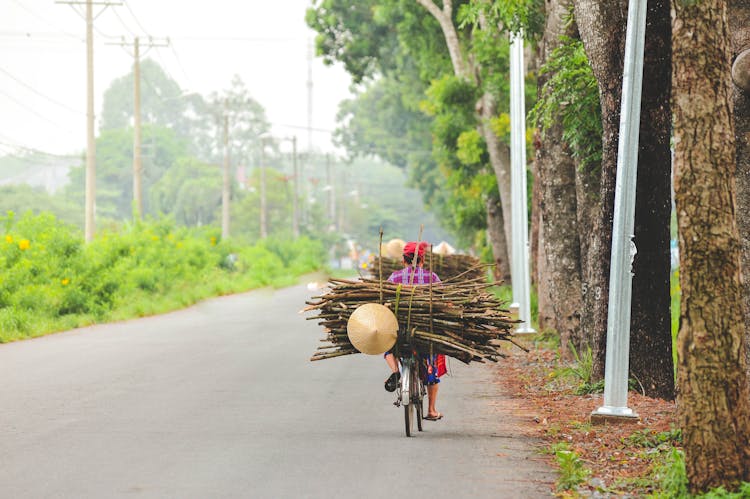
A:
372, 328
444, 249
395, 247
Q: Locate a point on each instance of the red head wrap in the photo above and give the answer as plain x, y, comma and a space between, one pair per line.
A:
411, 247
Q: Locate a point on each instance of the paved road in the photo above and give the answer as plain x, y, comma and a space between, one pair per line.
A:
220, 401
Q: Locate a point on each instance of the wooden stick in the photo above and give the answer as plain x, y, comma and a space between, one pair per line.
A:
380, 264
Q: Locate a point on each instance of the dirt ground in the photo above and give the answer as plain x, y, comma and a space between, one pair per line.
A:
617, 455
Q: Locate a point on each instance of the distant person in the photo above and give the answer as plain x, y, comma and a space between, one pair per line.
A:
431, 367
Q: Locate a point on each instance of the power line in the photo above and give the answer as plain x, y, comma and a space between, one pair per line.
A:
235, 39
102, 33
179, 63
127, 28
46, 21
34, 150
55, 36
300, 127
66, 129
41, 94
134, 17
47, 38
164, 65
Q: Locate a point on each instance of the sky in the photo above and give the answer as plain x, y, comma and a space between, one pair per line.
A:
265, 42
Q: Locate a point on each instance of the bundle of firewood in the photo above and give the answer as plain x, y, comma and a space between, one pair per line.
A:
462, 320
446, 267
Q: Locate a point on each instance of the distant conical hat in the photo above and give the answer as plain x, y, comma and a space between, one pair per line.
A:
395, 247
372, 328
443, 249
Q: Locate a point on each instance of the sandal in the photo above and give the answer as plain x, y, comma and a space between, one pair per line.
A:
392, 382
433, 418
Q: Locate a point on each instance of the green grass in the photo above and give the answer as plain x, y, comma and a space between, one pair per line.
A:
572, 471
51, 281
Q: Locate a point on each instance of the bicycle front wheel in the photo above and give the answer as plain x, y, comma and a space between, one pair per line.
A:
409, 417
407, 392
418, 399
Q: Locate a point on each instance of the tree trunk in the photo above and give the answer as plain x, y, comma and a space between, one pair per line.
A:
651, 325
444, 17
534, 231
545, 300
713, 406
497, 239
739, 27
602, 28
545, 312
500, 160
557, 180
739, 17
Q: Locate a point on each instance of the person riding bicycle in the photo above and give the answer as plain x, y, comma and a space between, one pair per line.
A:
431, 367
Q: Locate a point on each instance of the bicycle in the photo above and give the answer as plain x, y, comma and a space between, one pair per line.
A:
411, 391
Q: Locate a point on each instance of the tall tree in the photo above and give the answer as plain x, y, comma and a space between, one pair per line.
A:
190, 191
556, 169
160, 99
713, 399
602, 29
163, 104
114, 158
417, 40
247, 121
467, 67
739, 27
651, 326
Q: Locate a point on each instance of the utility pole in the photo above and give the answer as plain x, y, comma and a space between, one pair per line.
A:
263, 226
309, 93
331, 193
226, 184
305, 189
90, 188
90, 220
342, 201
137, 166
295, 197
137, 133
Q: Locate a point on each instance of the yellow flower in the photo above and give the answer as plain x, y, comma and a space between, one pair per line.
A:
154, 238
24, 244
213, 240
9, 239
65, 281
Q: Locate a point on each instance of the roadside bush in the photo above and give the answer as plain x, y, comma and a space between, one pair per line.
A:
50, 279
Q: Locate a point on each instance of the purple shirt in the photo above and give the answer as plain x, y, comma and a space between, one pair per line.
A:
408, 276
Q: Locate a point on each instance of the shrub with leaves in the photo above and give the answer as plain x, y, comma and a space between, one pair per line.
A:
51, 280
571, 97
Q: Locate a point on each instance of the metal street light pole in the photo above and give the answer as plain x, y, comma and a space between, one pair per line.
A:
623, 248
519, 209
